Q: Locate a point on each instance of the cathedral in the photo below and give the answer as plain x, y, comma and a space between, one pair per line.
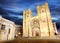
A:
40, 25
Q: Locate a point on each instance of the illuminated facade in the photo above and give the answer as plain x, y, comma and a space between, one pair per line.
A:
7, 29
40, 25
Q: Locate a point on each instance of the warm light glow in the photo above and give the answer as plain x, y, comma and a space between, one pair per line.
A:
19, 33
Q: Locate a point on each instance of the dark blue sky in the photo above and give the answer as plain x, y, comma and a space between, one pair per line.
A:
13, 9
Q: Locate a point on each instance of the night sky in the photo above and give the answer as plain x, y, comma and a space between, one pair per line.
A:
13, 9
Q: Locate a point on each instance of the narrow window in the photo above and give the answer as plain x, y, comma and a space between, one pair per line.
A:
9, 31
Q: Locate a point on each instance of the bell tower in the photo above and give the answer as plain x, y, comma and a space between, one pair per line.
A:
43, 20
26, 23
46, 25
49, 19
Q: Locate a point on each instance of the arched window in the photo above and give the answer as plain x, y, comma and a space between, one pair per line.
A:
42, 10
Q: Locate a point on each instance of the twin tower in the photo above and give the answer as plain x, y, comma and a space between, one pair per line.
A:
40, 25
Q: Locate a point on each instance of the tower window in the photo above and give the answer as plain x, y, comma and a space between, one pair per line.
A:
27, 16
42, 10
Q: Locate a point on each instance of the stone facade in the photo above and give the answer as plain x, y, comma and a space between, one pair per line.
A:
7, 29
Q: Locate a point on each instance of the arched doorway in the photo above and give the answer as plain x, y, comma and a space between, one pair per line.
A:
35, 31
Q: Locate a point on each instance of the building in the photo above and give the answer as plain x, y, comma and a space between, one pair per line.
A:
40, 25
7, 29
55, 28
18, 31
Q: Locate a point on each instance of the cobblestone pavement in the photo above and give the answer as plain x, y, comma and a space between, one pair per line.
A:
55, 39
